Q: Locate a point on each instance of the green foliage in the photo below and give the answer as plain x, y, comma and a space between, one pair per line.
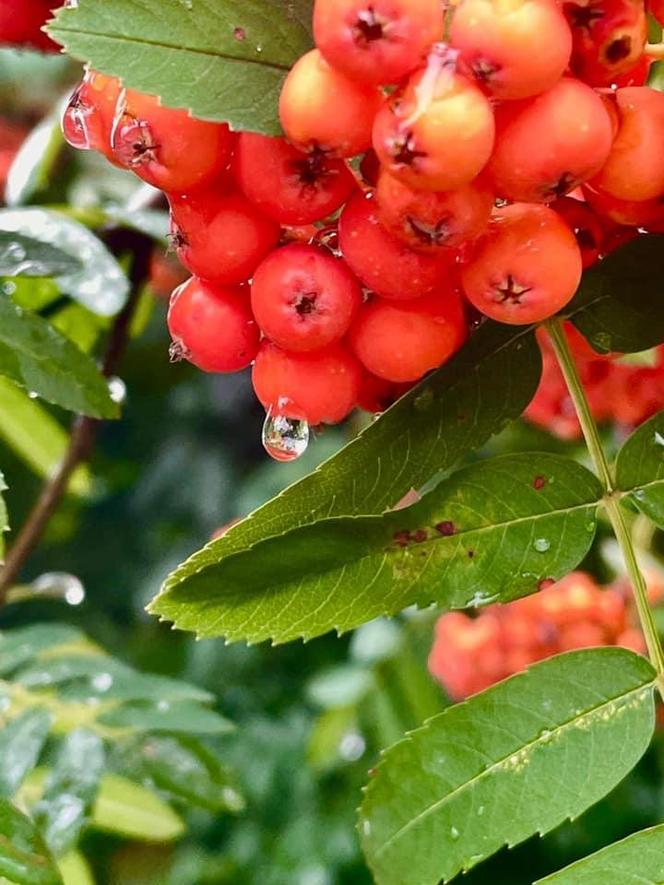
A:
618, 306
637, 860
640, 469
126, 808
21, 743
42, 361
35, 436
24, 859
21, 255
4, 518
492, 531
96, 281
218, 44
510, 762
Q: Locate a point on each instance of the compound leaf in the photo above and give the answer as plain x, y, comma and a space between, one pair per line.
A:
640, 469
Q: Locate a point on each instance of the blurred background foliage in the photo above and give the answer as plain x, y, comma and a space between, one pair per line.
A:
185, 460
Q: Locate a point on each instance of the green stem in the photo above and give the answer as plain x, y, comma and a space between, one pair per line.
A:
611, 498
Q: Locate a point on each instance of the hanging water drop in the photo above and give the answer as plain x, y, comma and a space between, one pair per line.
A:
117, 389
285, 439
542, 545
59, 585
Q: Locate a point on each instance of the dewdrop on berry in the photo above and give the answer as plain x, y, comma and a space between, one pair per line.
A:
285, 439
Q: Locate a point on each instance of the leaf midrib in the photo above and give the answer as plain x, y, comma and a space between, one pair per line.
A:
540, 739
160, 44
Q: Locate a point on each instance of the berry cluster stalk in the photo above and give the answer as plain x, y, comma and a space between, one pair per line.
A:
611, 496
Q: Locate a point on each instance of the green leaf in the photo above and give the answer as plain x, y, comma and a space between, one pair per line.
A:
636, 860
21, 743
35, 162
132, 811
100, 284
19, 646
21, 255
448, 415
4, 519
39, 359
75, 869
35, 436
515, 760
186, 769
219, 45
71, 789
492, 531
640, 469
165, 716
81, 676
24, 859
618, 307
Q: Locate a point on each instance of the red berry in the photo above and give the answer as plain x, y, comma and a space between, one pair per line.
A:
402, 342
303, 298
585, 226
609, 37
319, 387
634, 213
376, 41
290, 186
525, 268
88, 118
21, 23
634, 169
384, 264
166, 147
322, 109
656, 9
547, 145
377, 394
212, 327
428, 221
437, 132
221, 237
515, 49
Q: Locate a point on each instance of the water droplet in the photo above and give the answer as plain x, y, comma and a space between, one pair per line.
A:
117, 389
15, 252
76, 121
61, 586
545, 735
8, 287
102, 682
454, 833
285, 439
70, 4
639, 494
163, 706
32, 394
480, 811
659, 439
542, 545
352, 747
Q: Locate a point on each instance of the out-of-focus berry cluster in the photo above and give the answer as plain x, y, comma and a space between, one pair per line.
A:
471, 653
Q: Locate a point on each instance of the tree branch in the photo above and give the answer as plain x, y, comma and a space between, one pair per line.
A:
84, 430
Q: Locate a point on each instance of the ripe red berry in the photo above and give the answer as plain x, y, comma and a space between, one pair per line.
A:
318, 387
656, 9
634, 169
303, 297
428, 220
402, 342
609, 37
322, 109
515, 49
635, 213
377, 394
166, 147
288, 185
384, 264
221, 237
21, 23
547, 145
525, 268
437, 132
584, 224
212, 327
87, 120
376, 41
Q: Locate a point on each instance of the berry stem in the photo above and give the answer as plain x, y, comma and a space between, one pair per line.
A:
611, 499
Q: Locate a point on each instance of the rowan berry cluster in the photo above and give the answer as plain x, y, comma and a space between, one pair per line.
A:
22, 21
620, 393
470, 654
345, 282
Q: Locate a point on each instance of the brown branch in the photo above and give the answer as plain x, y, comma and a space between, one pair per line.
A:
84, 430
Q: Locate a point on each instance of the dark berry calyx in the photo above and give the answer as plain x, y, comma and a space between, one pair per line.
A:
369, 27
510, 290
